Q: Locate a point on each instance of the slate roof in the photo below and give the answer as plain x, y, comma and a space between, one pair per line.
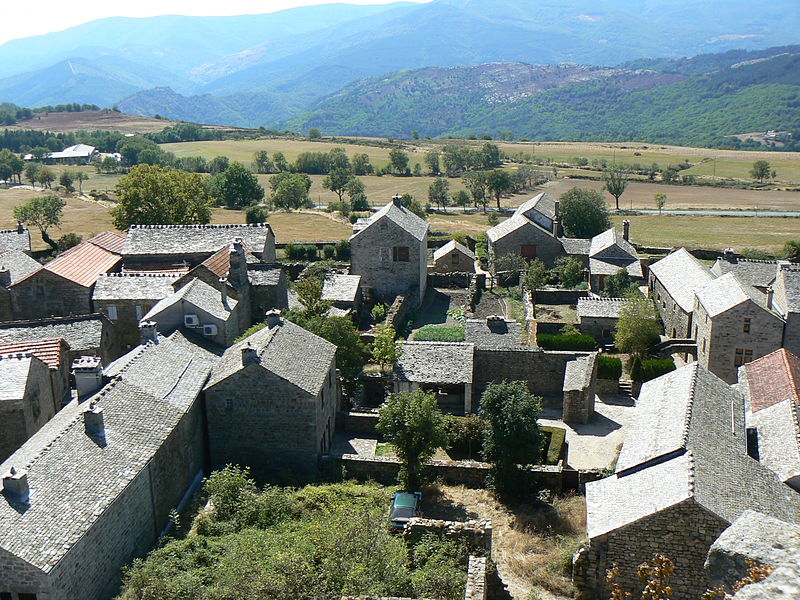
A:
286, 350
49, 352
496, 334
14, 372
264, 275
612, 244
542, 203
600, 307
682, 275
725, 292
575, 246
18, 263
81, 332
400, 215
435, 362
72, 478
449, 247
200, 295
787, 291
510, 225
612, 266
163, 240
758, 273
341, 288
133, 286
15, 239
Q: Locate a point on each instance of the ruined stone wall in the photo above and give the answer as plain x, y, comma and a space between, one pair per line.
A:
580, 387
477, 534
600, 328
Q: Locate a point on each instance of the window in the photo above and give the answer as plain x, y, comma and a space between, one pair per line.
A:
455, 258
704, 345
746, 325
606, 333
400, 254
742, 357
384, 254
695, 332
112, 312
5, 595
384, 226
26, 596
752, 443
228, 403
528, 251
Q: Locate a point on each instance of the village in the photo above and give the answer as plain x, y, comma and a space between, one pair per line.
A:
134, 365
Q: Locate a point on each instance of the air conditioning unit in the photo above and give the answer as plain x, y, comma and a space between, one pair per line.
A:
209, 329
191, 321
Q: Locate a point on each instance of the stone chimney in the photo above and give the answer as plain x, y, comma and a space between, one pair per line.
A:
770, 296
626, 230
249, 355
556, 228
729, 255
93, 421
88, 374
223, 290
557, 209
15, 485
5, 277
273, 317
397, 200
20, 227
237, 272
148, 332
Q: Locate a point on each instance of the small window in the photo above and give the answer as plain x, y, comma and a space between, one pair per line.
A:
606, 333
746, 325
400, 254
752, 443
742, 357
704, 345
384, 226
112, 312
384, 254
228, 403
455, 258
695, 332
26, 596
5, 595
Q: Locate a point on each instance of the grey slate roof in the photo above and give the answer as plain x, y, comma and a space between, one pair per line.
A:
510, 225
725, 292
15, 239
14, 372
199, 294
82, 332
682, 275
787, 293
406, 219
612, 266
341, 288
600, 307
264, 275
72, 478
133, 286
493, 334
758, 273
576, 246
612, 244
192, 239
543, 203
449, 247
287, 350
18, 263
435, 362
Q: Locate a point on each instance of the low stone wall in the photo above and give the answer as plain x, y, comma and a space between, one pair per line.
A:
476, 286
478, 534
579, 389
477, 584
560, 296
449, 280
607, 386
542, 370
398, 310
357, 422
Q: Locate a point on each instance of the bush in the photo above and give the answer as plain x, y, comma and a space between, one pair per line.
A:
309, 251
466, 435
378, 313
439, 333
645, 370
556, 438
328, 251
579, 342
290, 251
609, 367
256, 214
67, 241
342, 248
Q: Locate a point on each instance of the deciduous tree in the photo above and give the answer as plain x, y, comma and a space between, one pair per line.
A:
336, 181
661, 200
399, 161
536, 276
42, 212
761, 170
290, 190
615, 183
584, 213
438, 192
498, 182
385, 350
638, 326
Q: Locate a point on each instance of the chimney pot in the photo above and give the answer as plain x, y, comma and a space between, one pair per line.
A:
249, 355
729, 255
15, 485
770, 295
273, 317
5, 277
88, 373
556, 227
626, 230
557, 208
93, 421
397, 200
20, 227
223, 288
148, 332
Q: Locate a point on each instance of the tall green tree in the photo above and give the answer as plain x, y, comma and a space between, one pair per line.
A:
262, 162
31, 172
476, 183
236, 187
337, 180
491, 156
498, 183
615, 183
290, 190
385, 350
438, 192
281, 164
67, 180
432, 161
569, 271
512, 438
638, 326
414, 425
761, 170
80, 177
399, 161
619, 285
536, 276
584, 213
218, 164
153, 195
45, 177
361, 164
42, 212
661, 200
461, 198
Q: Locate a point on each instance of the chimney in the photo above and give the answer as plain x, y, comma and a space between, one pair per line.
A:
5, 277
249, 355
396, 199
88, 374
729, 255
557, 208
15, 485
20, 227
770, 295
223, 289
148, 332
273, 317
237, 270
556, 227
626, 230
93, 421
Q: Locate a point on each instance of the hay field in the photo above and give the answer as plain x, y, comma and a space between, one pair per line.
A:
106, 120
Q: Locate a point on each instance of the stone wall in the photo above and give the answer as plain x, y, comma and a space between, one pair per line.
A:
550, 327
477, 579
600, 328
477, 534
677, 322
560, 296
791, 335
607, 386
357, 422
45, 294
580, 389
126, 325
398, 310
23, 416
447, 279
548, 248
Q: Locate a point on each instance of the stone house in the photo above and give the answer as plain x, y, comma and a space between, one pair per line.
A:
732, 326
771, 387
271, 401
682, 477
343, 291
673, 281
16, 239
493, 332
208, 311
609, 252
64, 286
86, 335
389, 250
444, 368
453, 258
26, 399
785, 300
125, 298
598, 317
269, 287
14, 265
55, 353
758, 273
93, 488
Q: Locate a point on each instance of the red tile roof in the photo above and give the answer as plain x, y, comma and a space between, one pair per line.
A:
219, 263
108, 240
773, 379
49, 352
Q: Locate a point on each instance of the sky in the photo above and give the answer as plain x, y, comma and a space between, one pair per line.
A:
23, 19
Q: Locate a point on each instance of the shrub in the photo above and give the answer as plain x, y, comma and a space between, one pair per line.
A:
256, 214
378, 313
645, 370
609, 367
309, 251
68, 240
466, 434
440, 333
579, 342
328, 251
290, 251
342, 248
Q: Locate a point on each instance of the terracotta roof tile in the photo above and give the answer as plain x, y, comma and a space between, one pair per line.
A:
773, 379
85, 262
49, 352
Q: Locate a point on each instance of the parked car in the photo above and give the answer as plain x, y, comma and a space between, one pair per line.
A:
405, 505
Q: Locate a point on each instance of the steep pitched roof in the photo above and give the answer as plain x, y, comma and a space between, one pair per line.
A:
200, 295
724, 293
600, 307
15, 239
682, 275
341, 288
81, 332
179, 240
449, 247
50, 352
575, 246
18, 263
133, 286
773, 378
544, 204
400, 215
758, 273
612, 245
435, 362
512, 224
286, 350
72, 478
14, 372
787, 288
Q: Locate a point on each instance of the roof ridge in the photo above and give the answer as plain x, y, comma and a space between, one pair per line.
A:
690, 478
126, 274
202, 226
689, 406
14, 231
17, 355
38, 322
139, 351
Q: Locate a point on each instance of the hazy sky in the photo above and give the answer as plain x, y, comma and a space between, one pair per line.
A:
23, 19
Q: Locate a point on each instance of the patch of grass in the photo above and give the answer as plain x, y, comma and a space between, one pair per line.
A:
555, 445
439, 333
580, 342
